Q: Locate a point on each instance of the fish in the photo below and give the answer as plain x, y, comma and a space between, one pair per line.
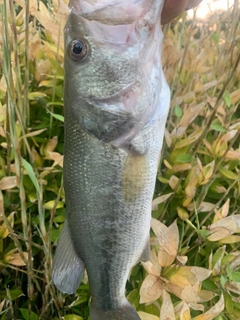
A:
116, 102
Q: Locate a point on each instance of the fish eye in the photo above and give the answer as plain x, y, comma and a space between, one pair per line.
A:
77, 49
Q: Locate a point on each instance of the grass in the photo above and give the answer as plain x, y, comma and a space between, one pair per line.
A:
198, 183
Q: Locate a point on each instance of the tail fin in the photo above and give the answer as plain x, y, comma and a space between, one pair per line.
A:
124, 312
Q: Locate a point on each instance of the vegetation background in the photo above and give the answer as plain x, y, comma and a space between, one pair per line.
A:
194, 272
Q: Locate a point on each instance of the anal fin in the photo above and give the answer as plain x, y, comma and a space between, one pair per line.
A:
68, 268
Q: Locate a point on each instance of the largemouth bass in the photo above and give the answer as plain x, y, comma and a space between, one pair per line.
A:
116, 103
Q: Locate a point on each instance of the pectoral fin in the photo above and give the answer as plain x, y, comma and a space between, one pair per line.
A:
68, 268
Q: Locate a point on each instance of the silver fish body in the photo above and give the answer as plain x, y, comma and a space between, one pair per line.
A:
116, 105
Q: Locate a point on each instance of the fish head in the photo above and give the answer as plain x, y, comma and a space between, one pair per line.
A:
113, 72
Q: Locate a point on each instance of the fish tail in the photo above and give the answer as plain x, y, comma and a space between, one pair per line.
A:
124, 312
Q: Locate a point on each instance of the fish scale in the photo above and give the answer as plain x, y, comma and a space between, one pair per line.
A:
111, 153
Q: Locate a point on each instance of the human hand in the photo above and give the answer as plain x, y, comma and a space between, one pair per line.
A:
173, 8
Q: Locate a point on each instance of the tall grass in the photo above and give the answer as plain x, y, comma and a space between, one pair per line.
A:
198, 182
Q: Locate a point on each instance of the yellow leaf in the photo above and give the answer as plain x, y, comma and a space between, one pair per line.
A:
183, 310
224, 227
190, 191
20, 3
229, 135
233, 286
190, 139
42, 69
206, 295
1, 203
181, 167
57, 157
151, 269
230, 239
51, 204
16, 259
2, 132
168, 239
232, 155
167, 164
33, 133
235, 96
181, 287
203, 207
212, 313
222, 212
206, 86
189, 97
8, 182
159, 200
182, 260
196, 306
218, 233
4, 232
151, 289
207, 172
147, 316
194, 274
182, 213
168, 138
52, 143
173, 182
185, 315
167, 310
190, 114
33, 6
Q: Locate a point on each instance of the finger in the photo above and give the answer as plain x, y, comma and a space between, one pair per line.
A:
192, 3
172, 8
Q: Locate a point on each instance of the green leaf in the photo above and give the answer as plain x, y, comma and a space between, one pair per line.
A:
215, 36
134, 297
183, 158
14, 294
178, 111
223, 280
235, 276
229, 174
55, 103
36, 95
218, 255
227, 98
56, 116
28, 316
216, 125
55, 234
209, 285
31, 174
72, 317
82, 299
228, 303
